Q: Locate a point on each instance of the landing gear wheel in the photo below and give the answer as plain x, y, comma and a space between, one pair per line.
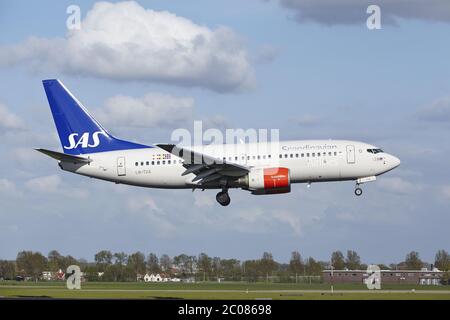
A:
223, 198
358, 191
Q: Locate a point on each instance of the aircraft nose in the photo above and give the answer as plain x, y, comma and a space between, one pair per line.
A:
394, 161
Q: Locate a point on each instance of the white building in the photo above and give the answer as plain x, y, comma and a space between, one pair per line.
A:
153, 278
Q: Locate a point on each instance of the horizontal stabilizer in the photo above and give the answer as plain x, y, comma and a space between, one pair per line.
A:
64, 157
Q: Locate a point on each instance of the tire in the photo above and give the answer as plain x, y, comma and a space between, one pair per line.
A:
223, 198
358, 192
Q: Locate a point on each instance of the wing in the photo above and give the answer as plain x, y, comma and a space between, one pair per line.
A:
206, 168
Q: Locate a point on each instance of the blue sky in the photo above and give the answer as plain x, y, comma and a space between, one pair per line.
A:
282, 66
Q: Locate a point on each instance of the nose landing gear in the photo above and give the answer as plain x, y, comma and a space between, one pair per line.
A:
359, 181
223, 198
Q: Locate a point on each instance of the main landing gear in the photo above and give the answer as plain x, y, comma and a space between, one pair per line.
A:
223, 197
358, 190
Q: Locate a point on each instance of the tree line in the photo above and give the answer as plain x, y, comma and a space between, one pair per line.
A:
120, 266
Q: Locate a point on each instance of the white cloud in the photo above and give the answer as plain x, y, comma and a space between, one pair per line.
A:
289, 217
155, 217
7, 186
266, 54
306, 120
124, 41
9, 120
151, 110
438, 111
46, 184
398, 185
203, 200
445, 190
52, 184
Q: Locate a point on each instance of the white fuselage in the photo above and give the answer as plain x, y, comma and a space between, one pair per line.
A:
307, 160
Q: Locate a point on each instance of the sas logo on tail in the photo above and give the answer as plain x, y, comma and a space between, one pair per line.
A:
84, 140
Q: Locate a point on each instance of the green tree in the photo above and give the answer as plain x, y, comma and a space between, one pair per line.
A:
7, 270
68, 261
251, 270
442, 260
55, 260
296, 265
267, 265
412, 261
103, 259
204, 265
313, 268
353, 261
153, 263
231, 269
216, 267
32, 263
165, 262
337, 260
120, 258
136, 262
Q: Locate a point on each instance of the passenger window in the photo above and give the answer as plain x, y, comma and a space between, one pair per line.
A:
136, 164
142, 163
303, 155
264, 157
168, 161
235, 158
157, 162
313, 154
335, 153
296, 155
307, 154
292, 155
259, 157
269, 156
281, 156
147, 163
248, 157
286, 155
164, 162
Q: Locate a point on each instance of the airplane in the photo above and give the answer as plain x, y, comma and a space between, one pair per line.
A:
260, 168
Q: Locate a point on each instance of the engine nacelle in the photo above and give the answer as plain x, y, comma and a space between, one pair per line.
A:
269, 180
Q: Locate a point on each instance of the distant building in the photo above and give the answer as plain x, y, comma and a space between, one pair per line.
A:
418, 277
47, 275
60, 275
159, 278
152, 278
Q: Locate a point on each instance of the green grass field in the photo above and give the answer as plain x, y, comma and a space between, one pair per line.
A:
210, 290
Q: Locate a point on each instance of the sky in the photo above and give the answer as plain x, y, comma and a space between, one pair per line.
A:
311, 69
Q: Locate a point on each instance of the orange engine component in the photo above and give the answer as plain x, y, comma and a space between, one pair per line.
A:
276, 180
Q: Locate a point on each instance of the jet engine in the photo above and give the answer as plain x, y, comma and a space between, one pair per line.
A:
267, 181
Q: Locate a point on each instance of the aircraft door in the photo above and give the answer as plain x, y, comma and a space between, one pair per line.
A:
121, 169
350, 154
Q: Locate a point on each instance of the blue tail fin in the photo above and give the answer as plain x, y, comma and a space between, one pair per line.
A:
78, 131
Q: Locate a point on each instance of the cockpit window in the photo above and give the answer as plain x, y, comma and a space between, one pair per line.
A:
375, 151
